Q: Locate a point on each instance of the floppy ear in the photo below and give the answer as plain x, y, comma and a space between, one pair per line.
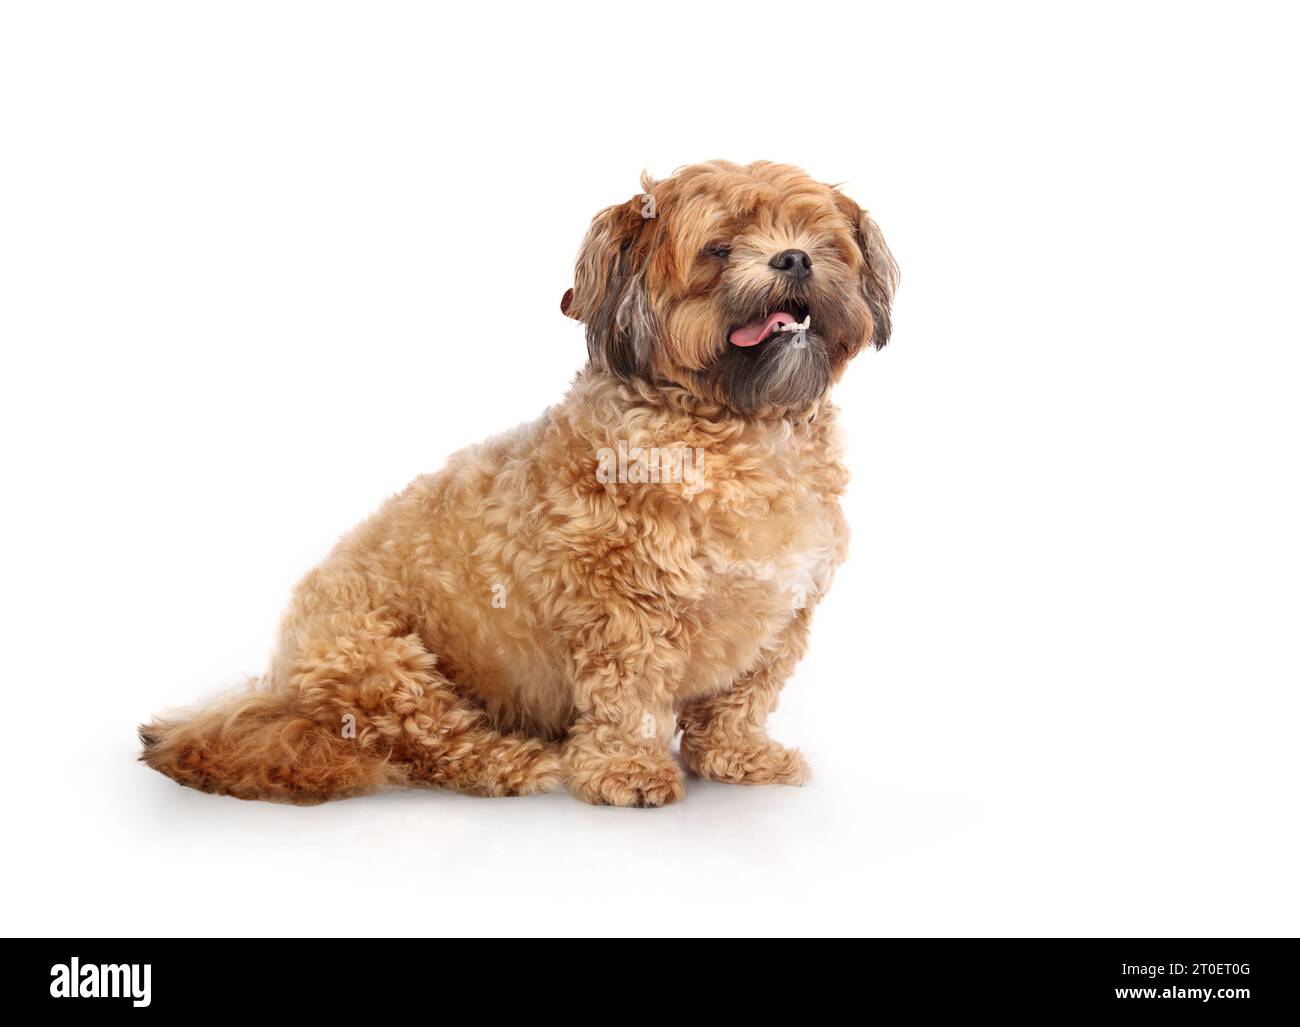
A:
609, 292
879, 271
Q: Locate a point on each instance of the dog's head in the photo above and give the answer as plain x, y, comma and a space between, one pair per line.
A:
703, 278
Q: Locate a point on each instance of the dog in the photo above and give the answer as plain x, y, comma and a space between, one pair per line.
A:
551, 609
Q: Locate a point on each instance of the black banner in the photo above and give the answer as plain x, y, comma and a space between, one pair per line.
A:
367, 979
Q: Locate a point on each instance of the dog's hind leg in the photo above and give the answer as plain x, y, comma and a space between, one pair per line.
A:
448, 742
403, 707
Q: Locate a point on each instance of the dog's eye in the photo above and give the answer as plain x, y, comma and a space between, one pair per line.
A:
721, 250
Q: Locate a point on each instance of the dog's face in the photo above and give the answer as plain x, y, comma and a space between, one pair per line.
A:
704, 278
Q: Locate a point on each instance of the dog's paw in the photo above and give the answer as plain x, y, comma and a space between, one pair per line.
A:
641, 776
760, 762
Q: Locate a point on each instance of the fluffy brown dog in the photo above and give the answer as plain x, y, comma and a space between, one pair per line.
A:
553, 606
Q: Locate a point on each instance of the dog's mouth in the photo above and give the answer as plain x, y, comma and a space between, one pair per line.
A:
793, 317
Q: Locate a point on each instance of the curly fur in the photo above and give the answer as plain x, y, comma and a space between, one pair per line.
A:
513, 623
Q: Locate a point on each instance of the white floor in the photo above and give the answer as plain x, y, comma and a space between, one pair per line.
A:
937, 808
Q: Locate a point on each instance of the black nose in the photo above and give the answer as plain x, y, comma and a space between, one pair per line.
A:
794, 263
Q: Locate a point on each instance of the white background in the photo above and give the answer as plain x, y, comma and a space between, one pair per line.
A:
263, 263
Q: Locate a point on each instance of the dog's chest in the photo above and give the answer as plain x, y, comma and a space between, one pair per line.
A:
763, 562
781, 560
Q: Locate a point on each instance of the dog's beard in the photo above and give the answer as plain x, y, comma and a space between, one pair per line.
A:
788, 372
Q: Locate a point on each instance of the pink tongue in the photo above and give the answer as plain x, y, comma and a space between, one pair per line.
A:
756, 331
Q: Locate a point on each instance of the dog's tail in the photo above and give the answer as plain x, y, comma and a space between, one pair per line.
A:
257, 744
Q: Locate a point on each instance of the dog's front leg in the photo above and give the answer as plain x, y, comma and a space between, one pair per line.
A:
616, 752
724, 737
